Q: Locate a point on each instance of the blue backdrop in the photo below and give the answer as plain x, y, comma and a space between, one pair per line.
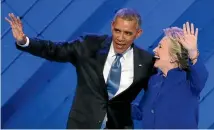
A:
37, 93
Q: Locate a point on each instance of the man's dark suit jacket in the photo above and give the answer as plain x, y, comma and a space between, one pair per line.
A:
88, 54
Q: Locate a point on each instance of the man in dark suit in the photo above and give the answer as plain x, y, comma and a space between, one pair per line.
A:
111, 70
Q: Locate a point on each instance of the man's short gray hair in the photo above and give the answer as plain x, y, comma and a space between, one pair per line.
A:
129, 14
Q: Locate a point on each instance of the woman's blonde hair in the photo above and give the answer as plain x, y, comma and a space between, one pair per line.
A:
177, 51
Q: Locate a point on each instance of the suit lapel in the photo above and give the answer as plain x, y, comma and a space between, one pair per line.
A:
102, 53
101, 57
139, 65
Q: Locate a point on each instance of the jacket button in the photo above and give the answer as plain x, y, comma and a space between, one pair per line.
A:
152, 111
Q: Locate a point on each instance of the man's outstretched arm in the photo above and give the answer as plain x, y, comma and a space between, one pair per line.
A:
54, 51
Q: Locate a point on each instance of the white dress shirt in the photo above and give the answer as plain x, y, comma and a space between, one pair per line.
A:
127, 63
26, 44
127, 72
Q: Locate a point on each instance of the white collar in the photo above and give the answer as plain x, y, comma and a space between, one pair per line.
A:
125, 54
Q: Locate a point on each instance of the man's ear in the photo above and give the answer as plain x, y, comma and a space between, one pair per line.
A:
139, 32
112, 25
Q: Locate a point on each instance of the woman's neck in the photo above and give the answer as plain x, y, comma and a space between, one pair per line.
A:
166, 69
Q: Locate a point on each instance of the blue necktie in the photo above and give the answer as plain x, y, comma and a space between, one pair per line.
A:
113, 81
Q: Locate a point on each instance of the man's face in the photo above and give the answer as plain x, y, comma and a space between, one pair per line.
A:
124, 33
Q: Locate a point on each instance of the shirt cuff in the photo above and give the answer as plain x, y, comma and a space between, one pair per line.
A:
26, 44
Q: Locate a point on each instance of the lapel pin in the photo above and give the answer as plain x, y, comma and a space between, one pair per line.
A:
140, 65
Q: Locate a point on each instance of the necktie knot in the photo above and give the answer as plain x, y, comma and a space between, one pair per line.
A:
116, 62
119, 55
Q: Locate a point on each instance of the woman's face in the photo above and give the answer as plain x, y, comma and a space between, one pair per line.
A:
162, 54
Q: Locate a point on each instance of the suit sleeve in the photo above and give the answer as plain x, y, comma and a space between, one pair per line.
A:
198, 76
55, 51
